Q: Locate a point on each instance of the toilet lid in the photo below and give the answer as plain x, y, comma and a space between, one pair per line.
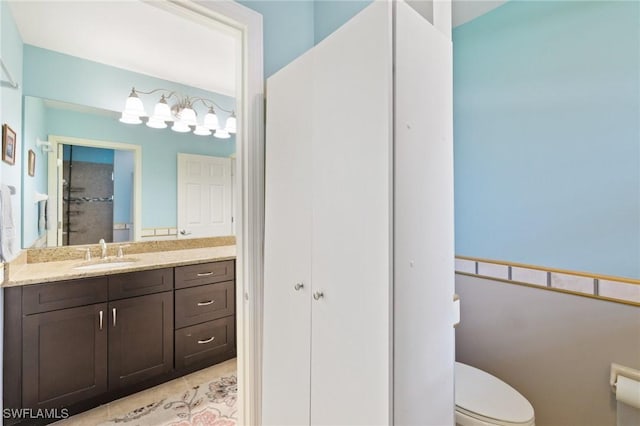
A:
487, 396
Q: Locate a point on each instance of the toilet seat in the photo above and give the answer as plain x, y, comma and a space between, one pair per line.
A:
482, 399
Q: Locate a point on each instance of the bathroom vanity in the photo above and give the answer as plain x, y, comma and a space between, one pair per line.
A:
81, 342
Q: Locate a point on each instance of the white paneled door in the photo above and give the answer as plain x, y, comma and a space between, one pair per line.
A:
351, 247
287, 263
204, 196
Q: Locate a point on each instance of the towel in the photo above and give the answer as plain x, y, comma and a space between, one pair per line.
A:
7, 228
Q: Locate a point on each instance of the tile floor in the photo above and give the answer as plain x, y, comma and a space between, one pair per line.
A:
129, 403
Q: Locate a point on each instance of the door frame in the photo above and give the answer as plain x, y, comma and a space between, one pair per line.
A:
246, 25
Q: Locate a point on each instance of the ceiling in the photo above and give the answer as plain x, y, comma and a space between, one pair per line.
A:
132, 35
142, 38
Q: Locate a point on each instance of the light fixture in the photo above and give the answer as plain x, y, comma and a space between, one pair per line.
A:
222, 134
182, 113
130, 118
211, 120
133, 105
201, 131
180, 127
162, 111
156, 123
230, 125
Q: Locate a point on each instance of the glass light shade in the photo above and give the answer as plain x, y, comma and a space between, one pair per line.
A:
130, 119
201, 131
156, 123
180, 127
188, 116
133, 105
230, 125
211, 120
162, 111
221, 134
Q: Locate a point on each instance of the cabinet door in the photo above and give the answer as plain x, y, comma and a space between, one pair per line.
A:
286, 340
140, 339
352, 154
64, 356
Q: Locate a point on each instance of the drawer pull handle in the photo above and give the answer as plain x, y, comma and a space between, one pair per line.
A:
209, 340
101, 319
205, 274
208, 302
114, 316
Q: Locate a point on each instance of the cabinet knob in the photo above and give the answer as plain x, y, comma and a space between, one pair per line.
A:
318, 295
298, 286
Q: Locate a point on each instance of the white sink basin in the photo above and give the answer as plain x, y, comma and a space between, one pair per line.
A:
105, 265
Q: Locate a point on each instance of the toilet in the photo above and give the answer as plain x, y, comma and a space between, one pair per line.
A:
485, 400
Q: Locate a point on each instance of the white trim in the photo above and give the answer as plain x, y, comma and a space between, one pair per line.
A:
54, 184
249, 187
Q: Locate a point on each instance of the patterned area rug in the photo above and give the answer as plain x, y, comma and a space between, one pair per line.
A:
210, 404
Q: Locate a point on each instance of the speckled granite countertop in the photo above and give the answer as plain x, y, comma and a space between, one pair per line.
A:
32, 273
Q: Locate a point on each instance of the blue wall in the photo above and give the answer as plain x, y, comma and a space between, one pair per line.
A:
33, 129
547, 136
11, 113
329, 15
56, 76
287, 30
294, 26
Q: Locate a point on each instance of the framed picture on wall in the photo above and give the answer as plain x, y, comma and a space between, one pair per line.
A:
8, 144
32, 163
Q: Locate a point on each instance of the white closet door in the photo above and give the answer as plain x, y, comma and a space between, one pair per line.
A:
287, 251
423, 216
350, 362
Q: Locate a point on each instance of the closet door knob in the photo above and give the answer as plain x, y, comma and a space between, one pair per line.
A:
298, 286
318, 295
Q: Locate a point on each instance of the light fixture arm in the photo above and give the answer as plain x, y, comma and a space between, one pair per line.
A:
187, 99
211, 104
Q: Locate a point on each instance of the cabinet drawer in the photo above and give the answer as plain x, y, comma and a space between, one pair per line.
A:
140, 283
205, 344
63, 294
204, 273
204, 303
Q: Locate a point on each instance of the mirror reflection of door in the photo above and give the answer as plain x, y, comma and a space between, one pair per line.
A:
205, 204
91, 205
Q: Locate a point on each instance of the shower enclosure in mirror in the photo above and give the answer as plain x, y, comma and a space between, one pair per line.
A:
96, 195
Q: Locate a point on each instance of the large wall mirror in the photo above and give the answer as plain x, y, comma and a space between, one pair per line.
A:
99, 172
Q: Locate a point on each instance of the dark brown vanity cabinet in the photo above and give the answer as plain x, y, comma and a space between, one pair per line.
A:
74, 349
84, 342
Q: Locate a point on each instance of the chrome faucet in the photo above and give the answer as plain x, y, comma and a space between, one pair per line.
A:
103, 246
